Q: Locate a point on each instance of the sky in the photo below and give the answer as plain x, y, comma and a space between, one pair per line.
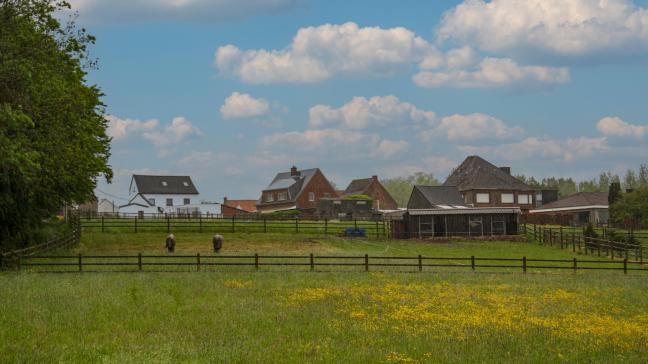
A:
232, 92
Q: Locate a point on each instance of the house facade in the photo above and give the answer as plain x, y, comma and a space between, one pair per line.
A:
483, 184
165, 195
381, 199
295, 189
231, 208
576, 210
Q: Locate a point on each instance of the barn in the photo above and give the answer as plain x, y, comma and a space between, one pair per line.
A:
439, 211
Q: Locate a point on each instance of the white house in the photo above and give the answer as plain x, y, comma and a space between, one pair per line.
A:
165, 195
106, 207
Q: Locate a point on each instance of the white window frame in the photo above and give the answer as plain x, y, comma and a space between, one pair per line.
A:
151, 201
510, 199
282, 196
482, 194
311, 197
524, 199
169, 202
269, 197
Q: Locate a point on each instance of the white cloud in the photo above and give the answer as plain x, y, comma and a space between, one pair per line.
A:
566, 28
343, 143
121, 128
319, 53
240, 106
182, 10
470, 127
493, 72
178, 131
535, 148
614, 126
361, 112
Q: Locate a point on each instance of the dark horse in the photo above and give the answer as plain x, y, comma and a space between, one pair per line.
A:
217, 241
171, 243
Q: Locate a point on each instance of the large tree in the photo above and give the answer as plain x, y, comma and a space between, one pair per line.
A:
401, 187
53, 143
631, 207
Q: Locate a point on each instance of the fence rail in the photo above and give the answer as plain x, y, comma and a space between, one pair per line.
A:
69, 239
375, 228
198, 262
577, 242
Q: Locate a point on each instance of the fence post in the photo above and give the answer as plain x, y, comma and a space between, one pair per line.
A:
625, 266
312, 262
296, 225
233, 222
420, 261
168, 224
200, 223
80, 263
265, 226
535, 233
561, 238
102, 223
139, 261
135, 223
355, 223
524, 264
377, 230
575, 266
472, 262
573, 238
256, 261
198, 262
325, 226
367, 262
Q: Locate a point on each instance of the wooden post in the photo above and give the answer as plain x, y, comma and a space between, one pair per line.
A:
135, 223
102, 224
256, 261
367, 262
312, 262
376, 229
80, 263
573, 238
296, 225
265, 227
524, 264
168, 224
355, 223
625, 266
325, 226
233, 219
561, 237
420, 261
200, 223
535, 233
575, 266
139, 261
198, 262
472, 262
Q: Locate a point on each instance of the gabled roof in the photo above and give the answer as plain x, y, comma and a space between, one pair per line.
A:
477, 173
358, 186
244, 205
580, 199
294, 184
441, 195
164, 185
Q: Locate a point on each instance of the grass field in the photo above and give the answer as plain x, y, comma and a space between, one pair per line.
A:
293, 316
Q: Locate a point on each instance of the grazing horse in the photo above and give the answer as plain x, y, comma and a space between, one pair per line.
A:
171, 243
217, 241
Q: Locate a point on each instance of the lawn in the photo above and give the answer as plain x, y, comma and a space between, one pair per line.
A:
323, 316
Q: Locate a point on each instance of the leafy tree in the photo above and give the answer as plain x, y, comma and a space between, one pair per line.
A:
53, 143
588, 186
632, 206
565, 186
643, 175
630, 180
614, 193
401, 187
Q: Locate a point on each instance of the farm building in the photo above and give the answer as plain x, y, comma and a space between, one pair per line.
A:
578, 209
381, 199
436, 211
159, 195
295, 190
341, 208
483, 184
238, 207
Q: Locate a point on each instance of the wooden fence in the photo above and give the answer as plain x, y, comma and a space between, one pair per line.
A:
577, 242
372, 228
179, 263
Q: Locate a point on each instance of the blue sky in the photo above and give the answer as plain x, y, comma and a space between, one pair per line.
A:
231, 92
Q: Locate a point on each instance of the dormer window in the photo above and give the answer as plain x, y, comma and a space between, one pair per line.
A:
185, 183
164, 183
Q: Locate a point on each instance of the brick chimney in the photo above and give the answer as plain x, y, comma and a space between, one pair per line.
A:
294, 171
225, 201
506, 170
374, 178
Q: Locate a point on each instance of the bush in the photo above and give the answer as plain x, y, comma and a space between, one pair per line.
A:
357, 197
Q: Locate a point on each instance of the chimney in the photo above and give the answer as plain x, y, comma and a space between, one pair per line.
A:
224, 200
506, 170
374, 178
293, 171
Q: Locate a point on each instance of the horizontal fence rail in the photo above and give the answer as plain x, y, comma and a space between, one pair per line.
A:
198, 262
370, 228
69, 239
579, 243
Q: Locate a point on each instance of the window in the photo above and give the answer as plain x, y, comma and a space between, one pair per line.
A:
311, 196
185, 183
164, 183
187, 201
269, 197
524, 199
169, 202
282, 196
151, 201
482, 198
508, 198
475, 225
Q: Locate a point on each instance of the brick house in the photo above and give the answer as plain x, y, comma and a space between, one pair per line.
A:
483, 184
372, 187
296, 189
238, 207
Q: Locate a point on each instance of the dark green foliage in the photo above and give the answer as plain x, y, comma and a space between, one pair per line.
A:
357, 197
589, 231
631, 207
401, 187
614, 193
53, 143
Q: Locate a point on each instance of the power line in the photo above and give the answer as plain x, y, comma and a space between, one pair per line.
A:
111, 195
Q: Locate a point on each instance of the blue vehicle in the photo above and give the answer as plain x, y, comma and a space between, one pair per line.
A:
355, 232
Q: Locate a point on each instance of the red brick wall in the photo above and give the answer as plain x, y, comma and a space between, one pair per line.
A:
320, 186
496, 198
377, 192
